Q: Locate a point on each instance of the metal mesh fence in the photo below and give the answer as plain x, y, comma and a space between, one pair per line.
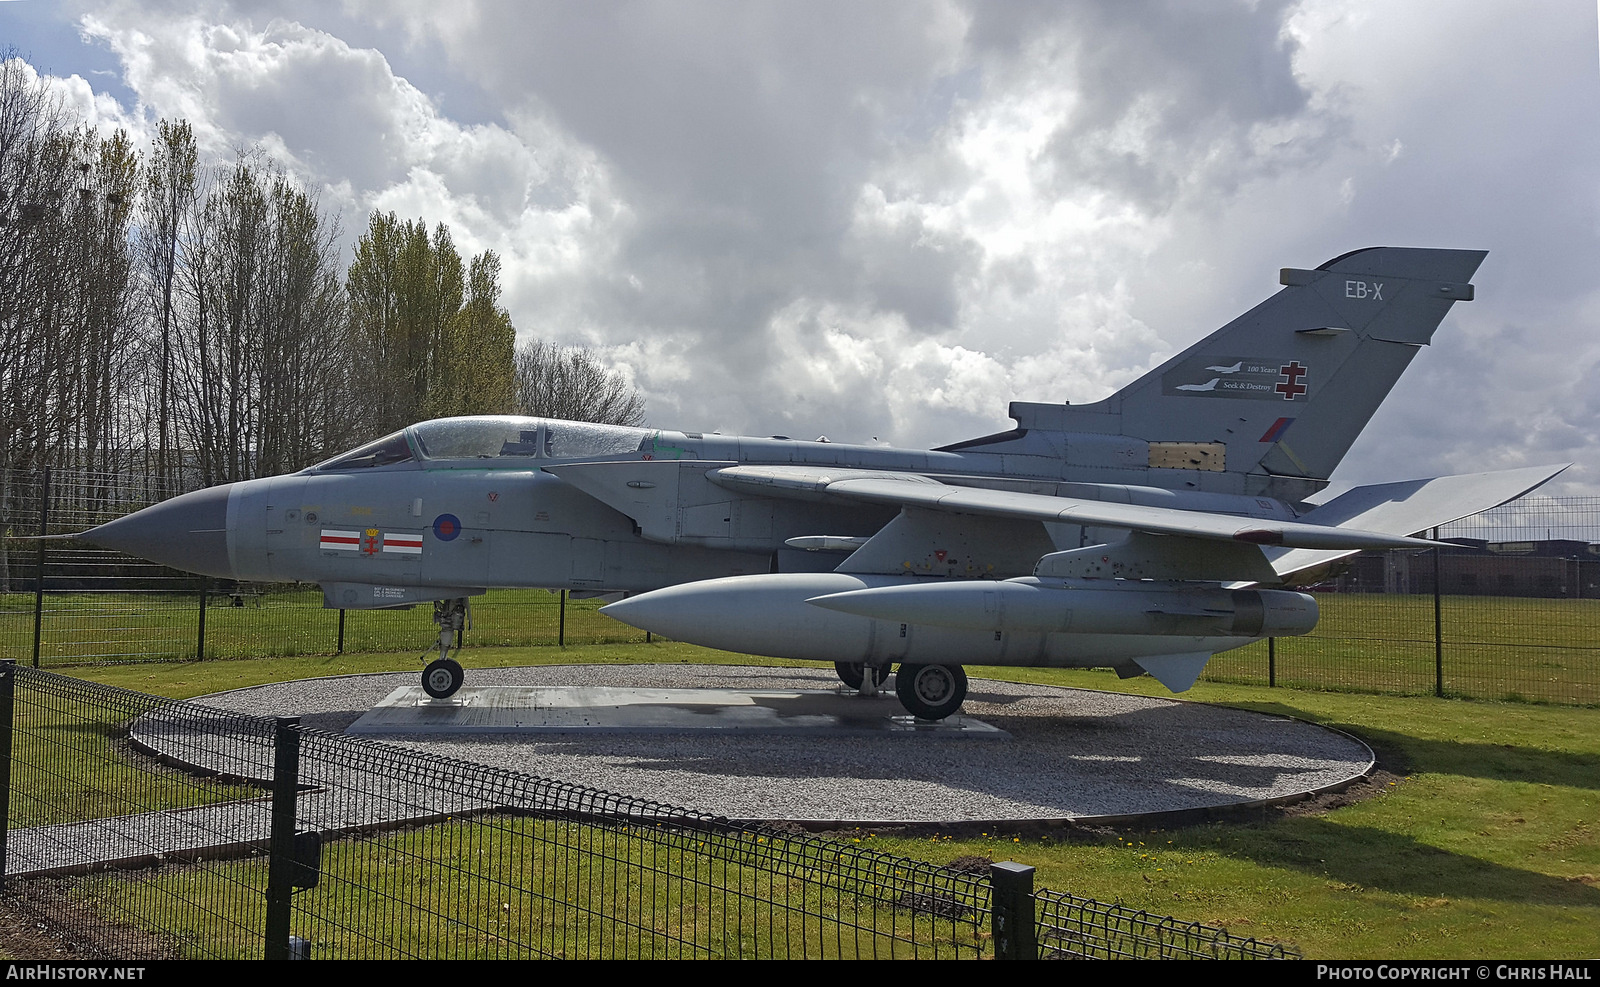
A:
1073, 928
1516, 616
79, 627
143, 828
85, 604
509, 866
1486, 648
1533, 518
87, 793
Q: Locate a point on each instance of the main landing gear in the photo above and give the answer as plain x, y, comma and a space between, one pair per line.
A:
931, 692
443, 676
928, 692
853, 674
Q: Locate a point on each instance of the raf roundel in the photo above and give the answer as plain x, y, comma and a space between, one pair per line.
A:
446, 527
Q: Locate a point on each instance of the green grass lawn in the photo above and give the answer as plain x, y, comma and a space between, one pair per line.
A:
1484, 841
107, 627
1495, 647
506, 886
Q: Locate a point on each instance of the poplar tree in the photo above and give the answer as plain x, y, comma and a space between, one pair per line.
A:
476, 373
430, 339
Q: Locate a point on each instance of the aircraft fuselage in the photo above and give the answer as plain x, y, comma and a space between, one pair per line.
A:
402, 526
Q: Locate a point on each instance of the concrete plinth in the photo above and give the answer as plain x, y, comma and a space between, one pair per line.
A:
532, 710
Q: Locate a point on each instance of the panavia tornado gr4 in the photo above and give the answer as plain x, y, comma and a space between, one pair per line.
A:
1145, 532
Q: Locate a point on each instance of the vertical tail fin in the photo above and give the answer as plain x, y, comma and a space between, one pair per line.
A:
1284, 389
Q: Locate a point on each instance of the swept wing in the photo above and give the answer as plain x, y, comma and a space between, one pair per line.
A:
927, 493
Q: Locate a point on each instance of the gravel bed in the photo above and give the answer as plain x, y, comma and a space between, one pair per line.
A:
1072, 755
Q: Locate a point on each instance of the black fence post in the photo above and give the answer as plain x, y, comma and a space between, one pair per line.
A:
200, 643
341, 632
561, 629
281, 862
8, 704
1438, 626
1272, 662
38, 575
1011, 913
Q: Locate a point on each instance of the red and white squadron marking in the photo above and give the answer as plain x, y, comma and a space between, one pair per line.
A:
341, 541
402, 544
371, 542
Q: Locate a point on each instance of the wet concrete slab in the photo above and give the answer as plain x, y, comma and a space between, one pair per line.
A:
610, 709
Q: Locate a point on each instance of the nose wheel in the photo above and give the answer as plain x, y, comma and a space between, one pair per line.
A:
442, 677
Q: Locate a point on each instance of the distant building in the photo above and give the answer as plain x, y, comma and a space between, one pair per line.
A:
1553, 569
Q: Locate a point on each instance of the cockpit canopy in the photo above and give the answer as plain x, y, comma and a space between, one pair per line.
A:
493, 437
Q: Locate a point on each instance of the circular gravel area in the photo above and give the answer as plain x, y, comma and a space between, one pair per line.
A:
1073, 755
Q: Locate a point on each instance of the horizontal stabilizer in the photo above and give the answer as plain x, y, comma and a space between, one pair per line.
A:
1409, 506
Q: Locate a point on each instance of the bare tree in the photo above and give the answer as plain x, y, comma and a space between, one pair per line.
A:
572, 385
303, 396
261, 357
101, 342
155, 315
36, 156
170, 187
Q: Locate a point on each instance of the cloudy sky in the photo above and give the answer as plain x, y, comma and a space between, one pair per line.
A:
885, 220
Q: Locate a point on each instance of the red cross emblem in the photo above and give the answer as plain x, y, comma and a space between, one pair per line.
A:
369, 542
1290, 385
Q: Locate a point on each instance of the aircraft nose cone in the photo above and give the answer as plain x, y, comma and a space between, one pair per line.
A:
188, 532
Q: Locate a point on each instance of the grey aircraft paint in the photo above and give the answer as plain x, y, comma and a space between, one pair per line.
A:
1115, 526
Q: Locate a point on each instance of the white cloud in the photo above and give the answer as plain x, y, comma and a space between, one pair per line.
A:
339, 116
890, 219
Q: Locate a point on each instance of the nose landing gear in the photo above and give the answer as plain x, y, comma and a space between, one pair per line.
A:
442, 677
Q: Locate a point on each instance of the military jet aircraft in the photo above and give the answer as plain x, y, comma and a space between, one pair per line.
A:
1144, 532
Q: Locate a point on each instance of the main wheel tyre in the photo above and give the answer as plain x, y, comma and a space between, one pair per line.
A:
442, 678
851, 674
931, 692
